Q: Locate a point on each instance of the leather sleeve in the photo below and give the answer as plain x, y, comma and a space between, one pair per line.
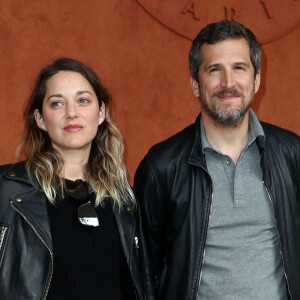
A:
152, 228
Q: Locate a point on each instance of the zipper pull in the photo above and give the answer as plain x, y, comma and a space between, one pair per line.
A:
136, 241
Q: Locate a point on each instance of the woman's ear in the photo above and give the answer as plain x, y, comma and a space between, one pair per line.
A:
101, 113
39, 120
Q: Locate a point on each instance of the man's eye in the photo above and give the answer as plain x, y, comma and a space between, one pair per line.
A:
239, 68
212, 70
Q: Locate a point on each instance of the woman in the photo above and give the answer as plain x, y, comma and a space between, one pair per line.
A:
66, 213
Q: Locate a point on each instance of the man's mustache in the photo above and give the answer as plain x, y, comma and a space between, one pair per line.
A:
228, 91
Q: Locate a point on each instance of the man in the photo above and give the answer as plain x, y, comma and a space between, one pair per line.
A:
220, 200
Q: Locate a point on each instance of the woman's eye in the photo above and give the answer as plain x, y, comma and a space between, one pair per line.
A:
56, 104
83, 100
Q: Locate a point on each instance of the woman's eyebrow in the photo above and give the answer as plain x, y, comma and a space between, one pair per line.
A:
61, 96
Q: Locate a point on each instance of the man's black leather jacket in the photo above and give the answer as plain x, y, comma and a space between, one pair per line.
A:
175, 193
26, 256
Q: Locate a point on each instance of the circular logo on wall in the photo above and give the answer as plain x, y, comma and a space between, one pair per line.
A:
268, 19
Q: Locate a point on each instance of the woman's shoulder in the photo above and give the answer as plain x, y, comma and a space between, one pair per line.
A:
5, 168
15, 174
8, 184
12, 170
13, 181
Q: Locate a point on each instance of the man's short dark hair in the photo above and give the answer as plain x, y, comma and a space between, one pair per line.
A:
221, 31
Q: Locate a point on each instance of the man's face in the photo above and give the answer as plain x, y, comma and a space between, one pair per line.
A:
226, 84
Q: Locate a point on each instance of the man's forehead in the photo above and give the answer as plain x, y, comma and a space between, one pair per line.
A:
220, 43
229, 48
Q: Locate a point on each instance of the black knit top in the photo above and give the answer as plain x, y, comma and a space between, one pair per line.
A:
88, 261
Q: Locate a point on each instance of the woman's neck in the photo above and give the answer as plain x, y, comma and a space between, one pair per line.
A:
75, 162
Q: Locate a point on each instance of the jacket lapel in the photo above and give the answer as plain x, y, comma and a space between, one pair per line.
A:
30, 202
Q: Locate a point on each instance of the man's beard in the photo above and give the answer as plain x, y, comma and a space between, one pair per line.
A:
231, 117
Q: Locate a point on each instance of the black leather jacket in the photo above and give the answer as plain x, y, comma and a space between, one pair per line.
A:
26, 256
175, 193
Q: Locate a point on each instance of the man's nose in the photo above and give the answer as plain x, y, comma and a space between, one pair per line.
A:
228, 79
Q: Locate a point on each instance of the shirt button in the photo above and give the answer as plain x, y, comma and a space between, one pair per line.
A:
228, 163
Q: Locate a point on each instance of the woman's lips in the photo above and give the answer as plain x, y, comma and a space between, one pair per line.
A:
73, 128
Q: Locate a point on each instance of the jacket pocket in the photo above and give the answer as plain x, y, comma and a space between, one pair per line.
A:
4, 232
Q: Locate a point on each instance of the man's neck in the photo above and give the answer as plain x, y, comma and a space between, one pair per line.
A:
228, 140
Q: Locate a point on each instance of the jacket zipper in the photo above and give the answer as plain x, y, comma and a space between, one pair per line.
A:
135, 292
272, 202
43, 241
2, 235
134, 243
202, 262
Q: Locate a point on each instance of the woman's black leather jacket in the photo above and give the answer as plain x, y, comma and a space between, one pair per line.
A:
175, 193
26, 256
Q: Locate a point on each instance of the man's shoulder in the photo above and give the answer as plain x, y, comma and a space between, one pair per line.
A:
177, 145
282, 143
164, 159
275, 134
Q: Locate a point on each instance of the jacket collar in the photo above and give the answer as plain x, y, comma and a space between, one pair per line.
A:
30, 201
196, 156
18, 172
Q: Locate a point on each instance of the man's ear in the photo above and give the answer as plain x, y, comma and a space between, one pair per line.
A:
257, 80
195, 87
39, 120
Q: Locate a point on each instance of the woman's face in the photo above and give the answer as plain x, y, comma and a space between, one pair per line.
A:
71, 112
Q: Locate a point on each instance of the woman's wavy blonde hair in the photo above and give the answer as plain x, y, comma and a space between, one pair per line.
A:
105, 170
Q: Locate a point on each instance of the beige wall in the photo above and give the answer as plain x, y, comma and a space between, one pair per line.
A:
142, 62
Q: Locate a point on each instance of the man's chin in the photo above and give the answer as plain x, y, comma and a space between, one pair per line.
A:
227, 118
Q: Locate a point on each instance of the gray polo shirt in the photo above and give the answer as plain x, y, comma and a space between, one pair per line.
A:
242, 254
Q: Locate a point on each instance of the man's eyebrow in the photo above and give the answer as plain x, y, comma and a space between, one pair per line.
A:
238, 63
242, 63
215, 65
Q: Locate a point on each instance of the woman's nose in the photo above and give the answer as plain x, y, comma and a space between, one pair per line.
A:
71, 111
